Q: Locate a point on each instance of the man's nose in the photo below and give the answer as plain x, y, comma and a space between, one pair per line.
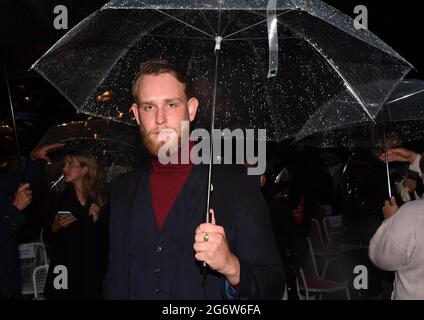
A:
160, 116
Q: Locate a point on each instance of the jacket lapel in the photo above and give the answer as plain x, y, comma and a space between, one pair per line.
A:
126, 198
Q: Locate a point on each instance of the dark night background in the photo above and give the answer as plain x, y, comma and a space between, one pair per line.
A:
26, 32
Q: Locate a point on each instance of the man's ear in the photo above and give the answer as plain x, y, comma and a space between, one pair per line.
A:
193, 104
134, 110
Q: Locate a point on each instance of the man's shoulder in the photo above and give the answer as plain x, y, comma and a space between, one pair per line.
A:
234, 174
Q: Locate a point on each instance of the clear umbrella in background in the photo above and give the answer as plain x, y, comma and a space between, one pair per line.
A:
400, 120
114, 145
255, 64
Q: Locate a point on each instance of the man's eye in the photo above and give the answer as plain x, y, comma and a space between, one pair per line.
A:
172, 105
147, 107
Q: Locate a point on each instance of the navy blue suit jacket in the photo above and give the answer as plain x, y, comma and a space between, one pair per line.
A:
239, 208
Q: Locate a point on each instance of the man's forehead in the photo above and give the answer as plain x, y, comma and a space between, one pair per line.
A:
163, 79
160, 87
176, 99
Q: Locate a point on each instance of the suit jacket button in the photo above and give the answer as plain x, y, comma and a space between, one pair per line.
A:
156, 270
159, 249
156, 291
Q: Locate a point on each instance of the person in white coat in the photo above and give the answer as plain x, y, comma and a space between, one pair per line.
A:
398, 244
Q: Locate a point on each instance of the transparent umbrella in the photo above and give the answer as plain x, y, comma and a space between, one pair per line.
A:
255, 64
114, 145
400, 120
278, 62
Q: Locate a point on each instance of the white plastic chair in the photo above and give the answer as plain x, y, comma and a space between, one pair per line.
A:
39, 277
46, 245
32, 255
42, 236
286, 293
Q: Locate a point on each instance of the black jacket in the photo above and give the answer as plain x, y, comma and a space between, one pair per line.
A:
11, 219
81, 247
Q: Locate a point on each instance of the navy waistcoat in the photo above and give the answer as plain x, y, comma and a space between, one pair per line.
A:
161, 262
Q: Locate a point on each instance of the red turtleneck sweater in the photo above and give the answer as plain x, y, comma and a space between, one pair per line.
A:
166, 182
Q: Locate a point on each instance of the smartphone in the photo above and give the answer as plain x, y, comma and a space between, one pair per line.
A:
65, 213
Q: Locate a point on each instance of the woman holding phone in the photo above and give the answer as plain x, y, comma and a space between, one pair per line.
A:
77, 229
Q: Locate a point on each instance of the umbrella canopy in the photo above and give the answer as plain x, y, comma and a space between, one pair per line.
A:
114, 145
279, 61
400, 120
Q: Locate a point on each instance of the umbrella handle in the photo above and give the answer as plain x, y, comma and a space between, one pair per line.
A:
213, 107
386, 160
387, 173
18, 149
207, 213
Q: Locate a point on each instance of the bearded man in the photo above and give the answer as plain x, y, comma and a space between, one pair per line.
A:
157, 239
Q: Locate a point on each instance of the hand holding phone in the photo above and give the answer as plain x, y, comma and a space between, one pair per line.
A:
62, 220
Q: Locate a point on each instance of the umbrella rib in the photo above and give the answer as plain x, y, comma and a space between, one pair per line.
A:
183, 22
174, 37
18, 149
207, 22
219, 17
253, 25
405, 97
345, 82
259, 38
98, 139
221, 33
63, 39
226, 26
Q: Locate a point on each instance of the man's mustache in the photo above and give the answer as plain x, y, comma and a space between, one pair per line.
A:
157, 130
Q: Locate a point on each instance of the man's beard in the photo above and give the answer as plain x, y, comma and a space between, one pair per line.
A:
153, 145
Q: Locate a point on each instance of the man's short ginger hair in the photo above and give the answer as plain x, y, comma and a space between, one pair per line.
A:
159, 66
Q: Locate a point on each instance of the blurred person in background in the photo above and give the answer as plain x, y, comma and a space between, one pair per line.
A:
77, 229
15, 196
